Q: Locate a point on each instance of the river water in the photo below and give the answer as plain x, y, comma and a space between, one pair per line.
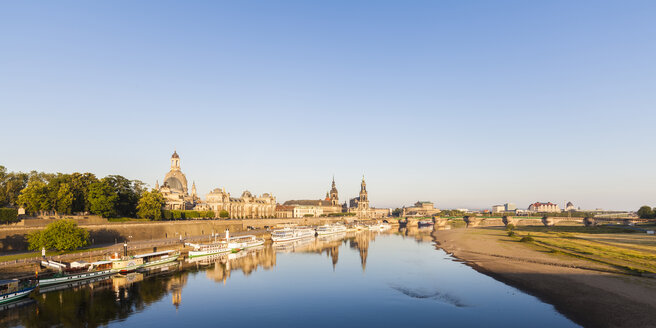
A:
392, 279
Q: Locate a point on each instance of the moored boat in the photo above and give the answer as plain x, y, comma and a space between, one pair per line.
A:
330, 229
127, 265
242, 242
76, 271
425, 223
14, 289
157, 258
208, 249
287, 234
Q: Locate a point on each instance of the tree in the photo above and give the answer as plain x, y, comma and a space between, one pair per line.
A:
80, 183
128, 191
102, 199
34, 198
224, 214
64, 200
397, 212
645, 212
61, 235
150, 205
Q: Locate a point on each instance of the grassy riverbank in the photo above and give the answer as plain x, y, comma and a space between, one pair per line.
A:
622, 248
587, 273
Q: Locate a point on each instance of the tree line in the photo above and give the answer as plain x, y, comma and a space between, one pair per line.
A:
646, 212
76, 193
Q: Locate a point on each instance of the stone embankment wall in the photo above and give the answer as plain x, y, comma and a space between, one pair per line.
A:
13, 237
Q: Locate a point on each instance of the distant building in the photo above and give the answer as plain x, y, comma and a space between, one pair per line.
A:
498, 208
174, 188
421, 208
307, 211
328, 205
510, 207
544, 207
284, 211
247, 206
360, 205
570, 207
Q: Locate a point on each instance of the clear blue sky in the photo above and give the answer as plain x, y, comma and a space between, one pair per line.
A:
464, 103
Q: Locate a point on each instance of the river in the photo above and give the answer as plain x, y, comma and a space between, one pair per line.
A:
391, 279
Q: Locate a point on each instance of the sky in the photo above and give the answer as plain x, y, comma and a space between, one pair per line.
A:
463, 103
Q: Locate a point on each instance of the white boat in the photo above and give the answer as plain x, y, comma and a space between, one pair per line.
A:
14, 289
157, 258
330, 229
209, 249
380, 226
88, 271
242, 242
127, 264
287, 234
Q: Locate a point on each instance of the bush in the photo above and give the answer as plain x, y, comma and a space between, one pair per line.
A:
8, 215
61, 235
511, 233
208, 214
224, 214
510, 227
527, 239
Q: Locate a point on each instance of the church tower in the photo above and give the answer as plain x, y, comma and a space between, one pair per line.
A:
193, 189
334, 200
363, 203
175, 161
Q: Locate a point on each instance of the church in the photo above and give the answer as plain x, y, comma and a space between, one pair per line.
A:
174, 189
328, 205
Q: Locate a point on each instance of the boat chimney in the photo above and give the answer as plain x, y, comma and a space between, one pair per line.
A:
125, 249
227, 234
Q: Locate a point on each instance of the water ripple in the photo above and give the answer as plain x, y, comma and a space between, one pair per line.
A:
434, 295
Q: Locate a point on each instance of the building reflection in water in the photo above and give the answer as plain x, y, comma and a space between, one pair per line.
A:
108, 299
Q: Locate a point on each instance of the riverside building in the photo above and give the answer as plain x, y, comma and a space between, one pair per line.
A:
544, 207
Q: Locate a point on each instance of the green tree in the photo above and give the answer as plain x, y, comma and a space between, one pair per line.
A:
80, 183
35, 197
102, 199
397, 212
61, 235
645, 212
224, 214
64, 199
128, 191
150, 205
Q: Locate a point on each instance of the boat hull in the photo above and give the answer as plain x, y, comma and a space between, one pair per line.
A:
207, 253
9, 297
77, 277
275, 239
162, 261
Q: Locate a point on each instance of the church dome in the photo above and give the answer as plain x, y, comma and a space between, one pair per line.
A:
174, 184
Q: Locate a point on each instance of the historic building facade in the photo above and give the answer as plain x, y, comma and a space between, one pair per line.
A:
177, 197
360, 205
328, 205
421, 209
174, 188
247, 206
544, 207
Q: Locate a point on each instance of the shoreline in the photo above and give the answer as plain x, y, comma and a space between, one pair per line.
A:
589, 294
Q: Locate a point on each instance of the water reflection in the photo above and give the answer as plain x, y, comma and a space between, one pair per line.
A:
124, 297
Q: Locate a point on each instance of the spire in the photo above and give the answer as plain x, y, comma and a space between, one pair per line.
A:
157, 184
193, 188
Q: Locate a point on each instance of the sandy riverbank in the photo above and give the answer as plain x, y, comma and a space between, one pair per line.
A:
591, 294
